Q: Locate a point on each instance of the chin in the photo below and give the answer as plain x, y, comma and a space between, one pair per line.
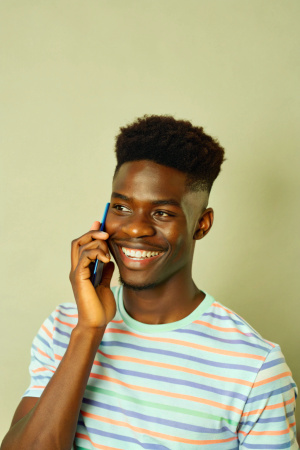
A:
137, 287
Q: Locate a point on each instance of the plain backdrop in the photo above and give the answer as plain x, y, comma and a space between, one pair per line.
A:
72, 73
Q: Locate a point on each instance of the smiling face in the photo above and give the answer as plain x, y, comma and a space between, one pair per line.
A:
153, 222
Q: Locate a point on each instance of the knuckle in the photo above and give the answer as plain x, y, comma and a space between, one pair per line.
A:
74, 242
71, 276
76, 275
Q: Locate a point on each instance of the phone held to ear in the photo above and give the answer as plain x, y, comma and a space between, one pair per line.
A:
97, 266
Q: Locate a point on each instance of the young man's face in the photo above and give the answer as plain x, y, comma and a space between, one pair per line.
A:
152, 223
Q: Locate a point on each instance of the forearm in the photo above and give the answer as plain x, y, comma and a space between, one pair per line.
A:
51, 424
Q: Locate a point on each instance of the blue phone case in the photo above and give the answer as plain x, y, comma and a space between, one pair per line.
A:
98, 267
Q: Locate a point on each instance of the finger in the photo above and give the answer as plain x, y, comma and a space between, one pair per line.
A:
108, 271
96, 225
84, 239
102, 245
89, 256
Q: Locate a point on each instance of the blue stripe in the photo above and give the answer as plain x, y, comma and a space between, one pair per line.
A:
226, 341
218, 316
40, 377
271, 393
60, 344
268, 446
51, 319
179, 355
63, 333
242, 322
249, 423
176, 381
123, 438
68, 307
66, 315
160, 421
40, 338
273, 363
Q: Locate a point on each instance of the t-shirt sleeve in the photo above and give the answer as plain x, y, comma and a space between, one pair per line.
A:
268, 420
42, 365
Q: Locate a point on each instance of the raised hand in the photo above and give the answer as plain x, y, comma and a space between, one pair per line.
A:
96, 307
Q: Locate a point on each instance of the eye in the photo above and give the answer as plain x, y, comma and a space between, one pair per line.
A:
163, 214
120, 208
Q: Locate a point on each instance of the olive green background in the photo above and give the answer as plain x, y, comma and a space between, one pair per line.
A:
72, 73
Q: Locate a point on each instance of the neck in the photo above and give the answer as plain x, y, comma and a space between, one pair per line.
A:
165, 303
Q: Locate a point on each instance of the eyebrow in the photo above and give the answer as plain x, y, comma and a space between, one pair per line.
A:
167, 201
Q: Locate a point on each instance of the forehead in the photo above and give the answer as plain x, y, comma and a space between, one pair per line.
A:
147, 180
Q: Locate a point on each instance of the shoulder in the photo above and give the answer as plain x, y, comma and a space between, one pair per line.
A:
235, 336
234, 328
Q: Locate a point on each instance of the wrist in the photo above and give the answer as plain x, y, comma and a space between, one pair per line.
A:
86, 333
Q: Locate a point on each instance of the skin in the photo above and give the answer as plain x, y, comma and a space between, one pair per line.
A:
135, 220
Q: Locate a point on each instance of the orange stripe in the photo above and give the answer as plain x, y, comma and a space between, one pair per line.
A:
155, 433
167, 394
47, 331
268, 380
42, 369
271, 343
43, 353
104, 447
58, 357
215, 327
276, 406
270, 433
173, 367
37, 387
217, 305
117, 321
65, 314
65, 323
187, 344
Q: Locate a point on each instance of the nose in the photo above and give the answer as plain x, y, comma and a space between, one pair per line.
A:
138, 226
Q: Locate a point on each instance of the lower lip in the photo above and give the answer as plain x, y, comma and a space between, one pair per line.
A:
136, 263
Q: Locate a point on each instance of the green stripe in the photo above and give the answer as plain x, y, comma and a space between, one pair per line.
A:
81, 448
160, 406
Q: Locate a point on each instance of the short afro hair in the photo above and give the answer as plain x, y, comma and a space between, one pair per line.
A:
173, 143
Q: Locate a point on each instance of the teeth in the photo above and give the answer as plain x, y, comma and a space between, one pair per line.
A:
138, 254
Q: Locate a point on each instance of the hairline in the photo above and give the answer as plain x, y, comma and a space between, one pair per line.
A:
191, 183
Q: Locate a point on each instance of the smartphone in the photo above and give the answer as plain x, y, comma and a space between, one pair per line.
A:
97, 266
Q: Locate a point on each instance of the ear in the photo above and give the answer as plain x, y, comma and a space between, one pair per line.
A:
204, 223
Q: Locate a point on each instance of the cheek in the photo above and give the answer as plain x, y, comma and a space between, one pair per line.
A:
182, 236
110, 228
180, 246
111, 224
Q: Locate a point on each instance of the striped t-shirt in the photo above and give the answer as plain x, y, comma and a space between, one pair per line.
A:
208, 380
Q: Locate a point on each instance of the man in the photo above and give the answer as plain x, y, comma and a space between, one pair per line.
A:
155, 363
